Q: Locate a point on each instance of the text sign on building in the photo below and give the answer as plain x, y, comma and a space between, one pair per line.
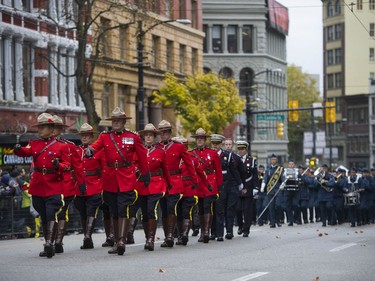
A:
270, 117
7, 157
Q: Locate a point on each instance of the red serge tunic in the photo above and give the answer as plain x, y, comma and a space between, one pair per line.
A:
93, 169
157, 165
45, 180
212, 168
175, 152
120, 173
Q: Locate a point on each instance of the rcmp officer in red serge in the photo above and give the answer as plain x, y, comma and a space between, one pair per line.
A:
249, 187
207, 194
88, 201
150, 196
50, 158
119, 193
175, 153
73, 179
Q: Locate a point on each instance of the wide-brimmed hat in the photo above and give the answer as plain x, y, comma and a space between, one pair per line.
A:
57, 120
164, 125
86, 129
242, 144
200, 133
180, 139
149, 128
217, 138
43, 119
118, 113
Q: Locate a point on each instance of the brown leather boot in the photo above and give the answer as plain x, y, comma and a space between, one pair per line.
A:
60, 232
113, 250
201, 220
108, 228
87, 241
171, 226
165, 229
130, 235
123, 227
206, 232
180, 232
145, 230
152, 225
186, 224
48, 246
83, 225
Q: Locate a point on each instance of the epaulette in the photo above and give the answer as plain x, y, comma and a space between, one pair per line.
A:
133, 132
105, 132
176, 141
158, 147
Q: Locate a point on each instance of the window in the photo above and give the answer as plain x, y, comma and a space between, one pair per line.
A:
3, 67
169, 55
105, 101
247, 39
217, 39
338, 80
182, 58
123, 41
167, 8
371, 54
338, 32
13, 61
194, 60
194, 14
26, 5
330, 81
329, 57
232, 39
372, 29
338, 56
155, 6
123, 92
105, 40
205, 39
330, 9
330, 33
359, 4
226, 73
371, 4
155, 50
338, 7
182, 9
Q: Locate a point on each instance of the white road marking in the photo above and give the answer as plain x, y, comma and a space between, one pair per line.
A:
250, 276
343, 247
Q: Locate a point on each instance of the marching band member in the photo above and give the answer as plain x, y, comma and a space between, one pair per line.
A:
366, 197
261, 202
325, 194
291, 193
354, 186
338, 197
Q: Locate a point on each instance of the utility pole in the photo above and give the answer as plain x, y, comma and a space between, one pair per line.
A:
141, 90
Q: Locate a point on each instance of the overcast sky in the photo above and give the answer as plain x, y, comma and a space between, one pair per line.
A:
305, 41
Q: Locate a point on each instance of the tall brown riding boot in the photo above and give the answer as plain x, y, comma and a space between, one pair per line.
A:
201, 220
87, 241
60, 232
108, 228
180, 231
152, 225
113, 250
165, 229
48, 246
130, 235
206, 232
186, 224
123, 227
171, 225
145, 230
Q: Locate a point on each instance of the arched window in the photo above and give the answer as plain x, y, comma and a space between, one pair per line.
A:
226, 73
206, 70
246, 80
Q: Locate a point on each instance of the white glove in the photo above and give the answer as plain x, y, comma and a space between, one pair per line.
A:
262, 187
240, 187
255, 192
282, 186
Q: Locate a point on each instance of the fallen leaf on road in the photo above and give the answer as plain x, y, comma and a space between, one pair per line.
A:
316, 278
157, 238
361, 231
320, 234
325, 233
161, 270
277, 237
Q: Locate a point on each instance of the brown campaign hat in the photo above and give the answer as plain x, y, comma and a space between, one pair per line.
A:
86, 129
57, 120
164, 125
43, 119
180, 139
118, 113
149, 128
200, 133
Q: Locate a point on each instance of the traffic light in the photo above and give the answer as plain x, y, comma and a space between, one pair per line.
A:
293, 114
330, 112
312, 162
280, 129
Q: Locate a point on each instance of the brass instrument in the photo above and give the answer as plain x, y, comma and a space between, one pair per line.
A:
274, 179
319, 175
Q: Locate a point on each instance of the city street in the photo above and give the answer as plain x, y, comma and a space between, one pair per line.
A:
305, 252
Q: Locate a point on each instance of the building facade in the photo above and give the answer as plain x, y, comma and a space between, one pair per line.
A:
349, 63
246, 40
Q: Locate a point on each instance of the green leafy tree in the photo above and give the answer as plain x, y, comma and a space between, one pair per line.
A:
203, 100
302, 87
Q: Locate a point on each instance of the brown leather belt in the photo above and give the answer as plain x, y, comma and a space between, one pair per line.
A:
119, 164
92, 173
155, 174
186, 178
209, 172
177, 172
45, 171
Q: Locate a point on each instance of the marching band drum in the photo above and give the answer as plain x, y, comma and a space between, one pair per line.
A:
293, 181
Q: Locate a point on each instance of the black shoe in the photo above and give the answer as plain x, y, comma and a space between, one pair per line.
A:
298, 222
260, 224
229, 236
324, 224
279, 224
220, 239
352, 225
87, 244
290, 224
195, 232
311, 221
59, 248
272, 226
212, 237
245, 235
239, 232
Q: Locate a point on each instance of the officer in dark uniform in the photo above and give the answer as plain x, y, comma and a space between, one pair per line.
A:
366, 197
247, 192
338, 197
325, 194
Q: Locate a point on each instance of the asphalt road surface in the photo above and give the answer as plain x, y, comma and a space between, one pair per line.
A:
304, 252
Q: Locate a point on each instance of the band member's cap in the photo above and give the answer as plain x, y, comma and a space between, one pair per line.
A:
200, 133
149, 128
216, 138
242, 144
43, 119
57, 120
118, 113
86, 129
324, 166
180, 139
273, 155
164, 125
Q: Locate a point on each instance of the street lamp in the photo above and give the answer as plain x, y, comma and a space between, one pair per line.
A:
248, 105
140, 92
